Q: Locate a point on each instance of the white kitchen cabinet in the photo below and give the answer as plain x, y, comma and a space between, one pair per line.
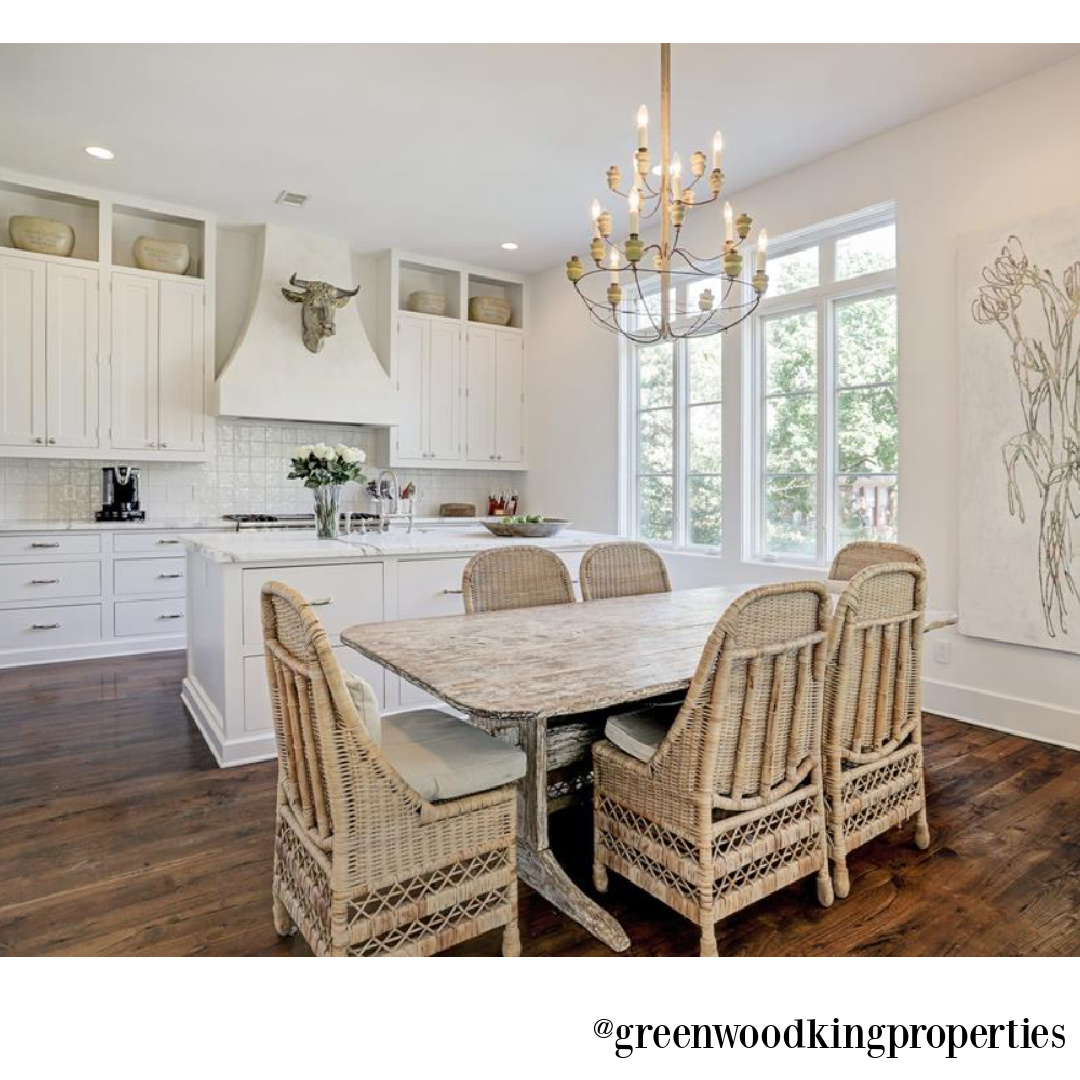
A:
134, 366
509, 398
22, 351
428, 352
495, 397
158, 364
71, 356
181, 366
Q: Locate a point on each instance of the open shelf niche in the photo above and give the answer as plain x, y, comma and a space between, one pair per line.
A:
511, 291
81, 214
416, 277
129, 223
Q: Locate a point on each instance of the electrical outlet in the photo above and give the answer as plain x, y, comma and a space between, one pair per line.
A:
942, 652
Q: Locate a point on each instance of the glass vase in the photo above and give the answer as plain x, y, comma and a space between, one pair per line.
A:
328, 511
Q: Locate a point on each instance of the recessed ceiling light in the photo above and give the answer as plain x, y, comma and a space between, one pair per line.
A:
292, 198
509, 246
100, 152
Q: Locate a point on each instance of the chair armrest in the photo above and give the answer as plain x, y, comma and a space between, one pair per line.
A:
432, 813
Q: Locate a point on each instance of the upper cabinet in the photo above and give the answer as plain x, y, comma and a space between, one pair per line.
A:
453, 339
106, 325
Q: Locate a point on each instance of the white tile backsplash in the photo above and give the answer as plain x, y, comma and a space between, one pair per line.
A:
247, 474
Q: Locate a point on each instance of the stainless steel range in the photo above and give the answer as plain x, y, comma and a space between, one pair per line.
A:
350, 522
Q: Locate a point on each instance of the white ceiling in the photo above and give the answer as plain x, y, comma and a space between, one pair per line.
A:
450, 150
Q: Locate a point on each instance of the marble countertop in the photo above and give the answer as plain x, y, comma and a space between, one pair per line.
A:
152, 524
269, 547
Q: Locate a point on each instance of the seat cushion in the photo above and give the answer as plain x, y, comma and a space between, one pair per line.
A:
640, 733
367, 705
442, 757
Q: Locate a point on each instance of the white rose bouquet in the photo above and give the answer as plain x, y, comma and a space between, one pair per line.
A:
324, 469
321, 465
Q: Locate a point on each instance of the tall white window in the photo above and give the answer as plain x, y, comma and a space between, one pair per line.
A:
824, 428
673, 448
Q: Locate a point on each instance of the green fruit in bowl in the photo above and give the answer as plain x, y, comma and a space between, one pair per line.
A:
534, 519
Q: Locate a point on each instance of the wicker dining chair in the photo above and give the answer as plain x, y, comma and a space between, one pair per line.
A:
622, 568
365, 865
725, 806
522, 576
860, 554
873, 715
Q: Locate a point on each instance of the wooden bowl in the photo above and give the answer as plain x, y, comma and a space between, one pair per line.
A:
493, 310
532, 530
42, 235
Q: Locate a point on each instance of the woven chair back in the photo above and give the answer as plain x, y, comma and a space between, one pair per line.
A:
515, 577
321, 743
750, 729
860, 554
622, 568
872, 687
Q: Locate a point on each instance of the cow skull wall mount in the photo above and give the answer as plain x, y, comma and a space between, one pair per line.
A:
321, 302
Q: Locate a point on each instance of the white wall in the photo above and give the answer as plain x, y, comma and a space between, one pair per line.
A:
1005, 154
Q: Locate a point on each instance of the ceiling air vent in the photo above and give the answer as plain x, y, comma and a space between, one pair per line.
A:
292, 198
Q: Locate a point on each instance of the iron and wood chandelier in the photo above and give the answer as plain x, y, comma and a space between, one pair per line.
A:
636, 269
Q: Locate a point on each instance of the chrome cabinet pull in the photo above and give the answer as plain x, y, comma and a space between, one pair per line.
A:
173, 575
452, 592
322, 601
172, 615
45, 581
44, 543
45, 626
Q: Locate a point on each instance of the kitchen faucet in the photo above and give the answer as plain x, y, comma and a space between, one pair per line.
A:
388, 480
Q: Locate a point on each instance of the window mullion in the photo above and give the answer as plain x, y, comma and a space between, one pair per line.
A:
827, 428
680, 484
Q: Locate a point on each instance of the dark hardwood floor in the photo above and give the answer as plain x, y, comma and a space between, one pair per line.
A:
119, 835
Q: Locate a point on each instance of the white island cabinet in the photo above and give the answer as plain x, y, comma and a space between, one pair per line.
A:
357, 579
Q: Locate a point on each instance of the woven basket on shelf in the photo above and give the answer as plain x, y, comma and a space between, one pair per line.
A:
457, 510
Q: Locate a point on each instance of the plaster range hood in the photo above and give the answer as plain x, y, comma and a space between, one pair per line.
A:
269, 375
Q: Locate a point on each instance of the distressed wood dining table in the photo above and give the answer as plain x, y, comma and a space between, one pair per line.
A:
545, 677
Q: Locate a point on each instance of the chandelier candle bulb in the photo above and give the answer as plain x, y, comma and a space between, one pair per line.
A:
642, 127
613, 263
613, 177
729, 224
594, 210
717, 150
633, 206
676, 177
697, 163
762, 251
742, 225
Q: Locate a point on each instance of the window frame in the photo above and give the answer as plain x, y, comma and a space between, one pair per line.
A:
823, 299
629, 451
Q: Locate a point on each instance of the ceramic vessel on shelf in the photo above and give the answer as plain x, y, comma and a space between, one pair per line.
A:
165, 256
493, 310
42, 235
427, 303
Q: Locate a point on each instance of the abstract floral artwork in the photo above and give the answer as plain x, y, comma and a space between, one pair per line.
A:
1020, 433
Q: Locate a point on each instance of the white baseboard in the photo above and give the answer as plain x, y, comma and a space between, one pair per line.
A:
227, 752
1000, 712
97, 650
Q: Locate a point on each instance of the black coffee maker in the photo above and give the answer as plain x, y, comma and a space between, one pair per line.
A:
120, 494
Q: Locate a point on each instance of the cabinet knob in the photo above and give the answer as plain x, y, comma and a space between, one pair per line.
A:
151, 444
164, 446
38, 439
52, 440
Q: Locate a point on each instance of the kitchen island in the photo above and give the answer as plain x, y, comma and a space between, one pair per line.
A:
365, 577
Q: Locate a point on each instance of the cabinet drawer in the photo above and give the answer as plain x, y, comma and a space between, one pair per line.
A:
163, 543
341, 595
257, 712
47, 544
430, 587
140, 618
133, 576
43, 628
55, 580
